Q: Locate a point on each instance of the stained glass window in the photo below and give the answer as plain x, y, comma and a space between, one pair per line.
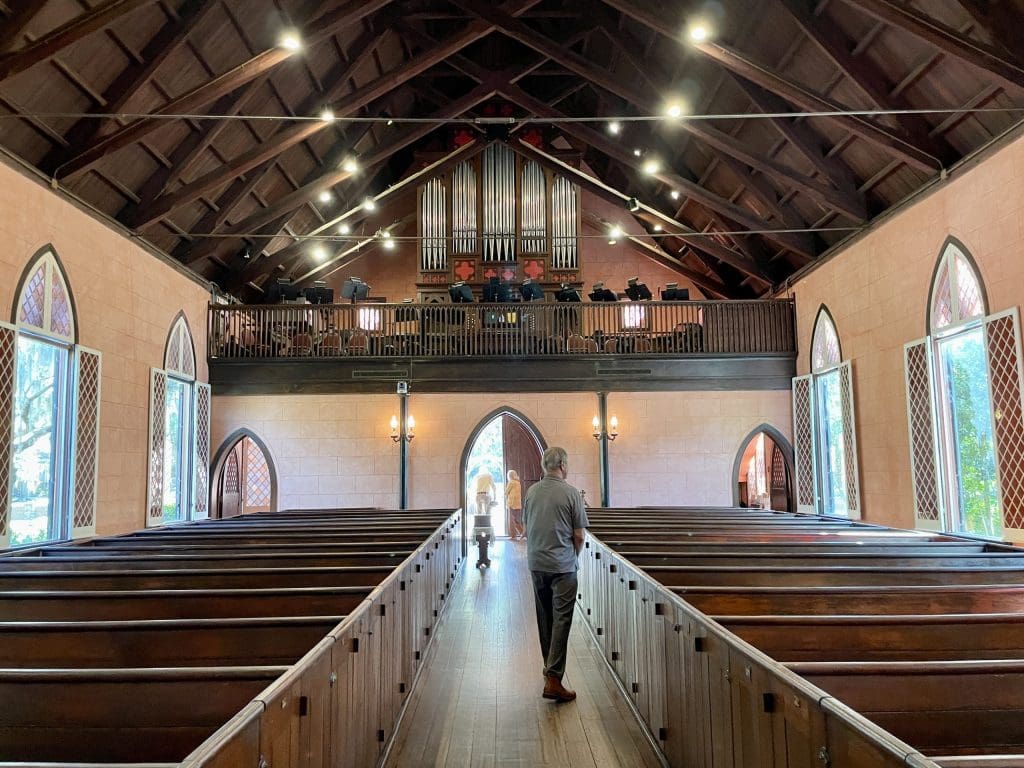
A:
956, 294
825, 346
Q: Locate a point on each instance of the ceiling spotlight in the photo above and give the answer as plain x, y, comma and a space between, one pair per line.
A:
651, 167
325, 197
369, 204
675, 194
385, 235
614, 127
390, 121
674, 110
350, 165
637, 152
319, 253
699, 33
657, 227
344, 228
327, 115
614, 234
290, 41
389, 243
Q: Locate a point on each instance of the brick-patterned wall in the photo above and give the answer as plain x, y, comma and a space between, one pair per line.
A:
335, 450
877, 290
126, 300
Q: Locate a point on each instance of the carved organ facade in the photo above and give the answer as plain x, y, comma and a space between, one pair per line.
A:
497, 214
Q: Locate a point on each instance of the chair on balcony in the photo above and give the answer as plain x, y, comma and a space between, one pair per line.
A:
330, 344
302, 345
579, 345
358, 343
643, 346
611, 346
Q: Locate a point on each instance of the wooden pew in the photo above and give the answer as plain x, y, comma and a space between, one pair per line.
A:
160, 642
120, 715
899, 637
110, 605
201, 561
829, 576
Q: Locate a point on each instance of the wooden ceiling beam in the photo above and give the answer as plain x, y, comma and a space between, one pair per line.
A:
14, 25
132, 80
405, 187
598, 141
709, 135
617, 198
664, 259
1002, 23
948, 40
866, 77
52, 43
335, 175
316, 31
801, 135
288, 137
799, 95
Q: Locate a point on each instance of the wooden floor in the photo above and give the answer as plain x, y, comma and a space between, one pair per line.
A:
478, 701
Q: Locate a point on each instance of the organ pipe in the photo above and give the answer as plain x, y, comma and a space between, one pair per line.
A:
499, 202
534, 204
564, 226
433, 226
464, 221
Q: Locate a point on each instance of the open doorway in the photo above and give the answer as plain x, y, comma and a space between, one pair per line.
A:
763, 472
503, 441
244, 478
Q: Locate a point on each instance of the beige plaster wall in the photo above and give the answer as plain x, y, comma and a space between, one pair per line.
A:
877, 291
335, 450
126, 300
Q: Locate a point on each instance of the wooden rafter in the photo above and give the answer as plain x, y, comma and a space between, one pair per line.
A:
712, 137
1000, 21
335, 175
615, 197
49, 45
22, 13
346, 106
799, 95
865, 76
316, 31
948, 40
119, 95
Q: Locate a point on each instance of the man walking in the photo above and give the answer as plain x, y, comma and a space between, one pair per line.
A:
555, 522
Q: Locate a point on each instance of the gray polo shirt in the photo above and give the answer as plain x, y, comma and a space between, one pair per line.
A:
551, 511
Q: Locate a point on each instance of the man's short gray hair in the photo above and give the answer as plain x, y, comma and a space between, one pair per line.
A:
553, 457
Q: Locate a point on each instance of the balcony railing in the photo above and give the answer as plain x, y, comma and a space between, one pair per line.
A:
719, 328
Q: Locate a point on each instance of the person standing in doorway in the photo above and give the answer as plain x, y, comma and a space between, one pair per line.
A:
556, 524
514, 505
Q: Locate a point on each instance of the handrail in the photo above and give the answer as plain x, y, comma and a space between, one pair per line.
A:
538, 329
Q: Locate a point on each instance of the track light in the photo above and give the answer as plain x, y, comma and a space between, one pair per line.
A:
674, 194
651, 167
614, 127
344, 228
699, 33
290, 40
319, 253
614, 234
327, 115
351, 165
674, 110
369, 204
325, 197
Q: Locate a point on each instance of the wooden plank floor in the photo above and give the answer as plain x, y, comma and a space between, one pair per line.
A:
478, 701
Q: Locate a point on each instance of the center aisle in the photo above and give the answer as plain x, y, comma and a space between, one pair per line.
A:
478, 702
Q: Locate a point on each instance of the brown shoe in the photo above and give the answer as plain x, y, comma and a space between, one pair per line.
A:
553, 689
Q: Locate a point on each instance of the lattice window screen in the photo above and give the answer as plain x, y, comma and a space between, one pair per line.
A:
1003, 344
86, 440
8, 372
157, 418
917, 359
853, 500
201, 508
257, 478
180, 355
803, 437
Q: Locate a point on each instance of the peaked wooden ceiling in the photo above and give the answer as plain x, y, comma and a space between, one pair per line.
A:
759, 198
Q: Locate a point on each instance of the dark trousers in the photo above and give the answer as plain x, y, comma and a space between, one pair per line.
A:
555, 597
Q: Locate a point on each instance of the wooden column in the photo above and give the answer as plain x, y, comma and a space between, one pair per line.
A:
403, 451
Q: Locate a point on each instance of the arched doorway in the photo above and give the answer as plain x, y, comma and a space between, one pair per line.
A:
763, 471
503, 440
244, 477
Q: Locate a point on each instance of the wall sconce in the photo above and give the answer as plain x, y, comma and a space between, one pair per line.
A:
410, 426
613, 428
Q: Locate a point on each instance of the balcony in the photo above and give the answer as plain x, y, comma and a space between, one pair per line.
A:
623, 346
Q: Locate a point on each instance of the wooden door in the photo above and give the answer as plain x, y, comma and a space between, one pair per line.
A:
230, 486
522, 453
